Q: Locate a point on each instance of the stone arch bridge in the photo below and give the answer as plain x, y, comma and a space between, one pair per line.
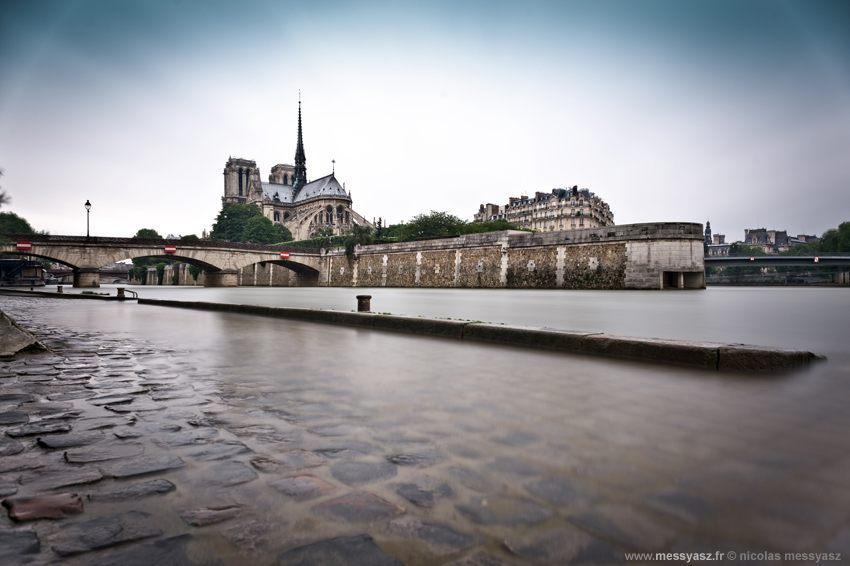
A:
220, 261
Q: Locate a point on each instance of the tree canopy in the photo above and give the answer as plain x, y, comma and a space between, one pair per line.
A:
246, 223
148, 234
836, 241
445, 224
4, 198
433, 224
737, 249
11, 223
357, 236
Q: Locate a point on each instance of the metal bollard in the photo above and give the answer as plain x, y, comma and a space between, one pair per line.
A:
363, 303
59, 288
121, 292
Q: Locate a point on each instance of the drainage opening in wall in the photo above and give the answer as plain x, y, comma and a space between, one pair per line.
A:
682, 280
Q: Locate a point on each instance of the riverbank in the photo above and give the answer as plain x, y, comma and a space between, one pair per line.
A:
302, 440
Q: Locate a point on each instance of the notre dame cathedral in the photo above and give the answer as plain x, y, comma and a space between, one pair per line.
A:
304, 207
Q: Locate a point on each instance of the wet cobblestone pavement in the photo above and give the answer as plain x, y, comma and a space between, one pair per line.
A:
123, 450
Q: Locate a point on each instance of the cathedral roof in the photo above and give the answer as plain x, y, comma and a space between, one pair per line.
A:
326, 186
284, 192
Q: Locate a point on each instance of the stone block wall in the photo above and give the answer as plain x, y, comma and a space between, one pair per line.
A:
437, 268
637, 256
479, 267
267, 275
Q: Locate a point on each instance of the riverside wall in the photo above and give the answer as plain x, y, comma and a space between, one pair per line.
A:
634, 256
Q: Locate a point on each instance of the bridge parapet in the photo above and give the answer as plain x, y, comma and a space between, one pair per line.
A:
155, 242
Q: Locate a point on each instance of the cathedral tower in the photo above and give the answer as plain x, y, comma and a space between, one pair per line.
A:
299, 178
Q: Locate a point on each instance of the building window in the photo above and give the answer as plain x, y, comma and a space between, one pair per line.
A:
285, 215
573, 212
572, 221
277, 216
581, 221
240, 181
285, 179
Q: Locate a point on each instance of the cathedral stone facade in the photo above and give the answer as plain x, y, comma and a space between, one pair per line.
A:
305, 207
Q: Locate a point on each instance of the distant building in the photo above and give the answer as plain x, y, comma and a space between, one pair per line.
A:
718, 246
304, 207
707, 233
489, 212
774, 241
771, 241
562, 209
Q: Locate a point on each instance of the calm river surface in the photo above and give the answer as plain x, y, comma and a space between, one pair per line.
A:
298, 438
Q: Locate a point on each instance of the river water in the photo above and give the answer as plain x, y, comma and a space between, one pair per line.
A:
455, 453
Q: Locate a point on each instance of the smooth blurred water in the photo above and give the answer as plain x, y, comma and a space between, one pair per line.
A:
747, 448
813, 318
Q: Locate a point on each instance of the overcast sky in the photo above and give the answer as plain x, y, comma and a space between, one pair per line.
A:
735, 111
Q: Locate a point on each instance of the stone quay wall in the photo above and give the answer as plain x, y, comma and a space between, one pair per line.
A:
634, 256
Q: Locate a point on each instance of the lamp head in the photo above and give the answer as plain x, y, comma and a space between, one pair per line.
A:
88, 205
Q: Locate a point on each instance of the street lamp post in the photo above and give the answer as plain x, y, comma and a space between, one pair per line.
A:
88, 214
225, 228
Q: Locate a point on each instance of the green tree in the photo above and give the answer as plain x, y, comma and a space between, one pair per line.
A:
4, 198
357, 236
232, 228
394, 231
160, 272
11, 223
259, 230
737, 249
148, 234
490, 226
138, 272
190, 238
433, 224
282, 234
835, 241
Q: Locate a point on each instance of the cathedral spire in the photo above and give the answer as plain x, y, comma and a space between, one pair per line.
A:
299, 178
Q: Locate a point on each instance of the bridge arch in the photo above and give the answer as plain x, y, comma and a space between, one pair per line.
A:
294, 273
220, 261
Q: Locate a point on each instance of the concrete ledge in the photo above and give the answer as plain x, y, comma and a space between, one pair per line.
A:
743, 357
705, 355
432, 326
700, 354
14, 339
564, 340
55, 295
